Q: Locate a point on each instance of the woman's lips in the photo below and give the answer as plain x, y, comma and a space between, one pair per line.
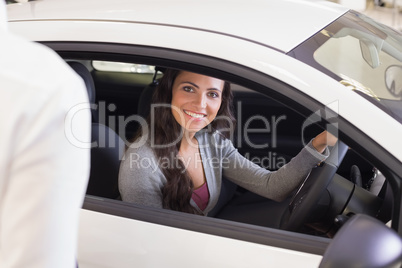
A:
194, 114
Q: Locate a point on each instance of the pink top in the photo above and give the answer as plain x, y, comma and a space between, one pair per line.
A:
201, 196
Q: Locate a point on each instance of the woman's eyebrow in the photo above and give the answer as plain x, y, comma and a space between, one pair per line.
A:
195, 85
191, 83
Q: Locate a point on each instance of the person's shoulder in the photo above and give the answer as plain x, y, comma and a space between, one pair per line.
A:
34, 64
139, 159
142, 148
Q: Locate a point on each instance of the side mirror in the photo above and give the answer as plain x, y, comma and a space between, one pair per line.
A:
393, 80
364, 242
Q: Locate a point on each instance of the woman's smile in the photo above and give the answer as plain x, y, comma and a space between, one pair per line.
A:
195, 115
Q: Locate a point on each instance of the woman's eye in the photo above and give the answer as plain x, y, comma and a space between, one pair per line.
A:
213, 94
188, 89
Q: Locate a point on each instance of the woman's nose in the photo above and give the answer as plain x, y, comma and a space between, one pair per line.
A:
201, 100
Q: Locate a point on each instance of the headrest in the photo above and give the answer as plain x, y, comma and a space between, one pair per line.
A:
144, 103
80, 69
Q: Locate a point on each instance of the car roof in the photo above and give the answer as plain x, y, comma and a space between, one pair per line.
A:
280, 24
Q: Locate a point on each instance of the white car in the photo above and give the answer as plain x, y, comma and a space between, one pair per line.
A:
296, 68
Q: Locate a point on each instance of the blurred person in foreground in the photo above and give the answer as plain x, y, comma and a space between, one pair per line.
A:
43, 175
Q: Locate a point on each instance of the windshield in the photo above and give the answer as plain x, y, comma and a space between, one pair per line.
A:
361, 54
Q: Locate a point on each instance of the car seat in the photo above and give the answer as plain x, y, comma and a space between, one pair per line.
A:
107, 149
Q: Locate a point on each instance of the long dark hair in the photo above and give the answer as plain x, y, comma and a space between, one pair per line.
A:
178, 190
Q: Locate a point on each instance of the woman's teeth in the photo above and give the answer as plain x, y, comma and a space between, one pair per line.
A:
195, 115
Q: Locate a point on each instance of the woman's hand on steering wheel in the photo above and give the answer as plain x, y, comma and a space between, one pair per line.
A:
322, 140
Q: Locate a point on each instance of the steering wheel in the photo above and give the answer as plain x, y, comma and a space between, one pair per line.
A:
309, 192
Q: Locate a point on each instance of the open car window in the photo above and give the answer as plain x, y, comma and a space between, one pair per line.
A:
273, 125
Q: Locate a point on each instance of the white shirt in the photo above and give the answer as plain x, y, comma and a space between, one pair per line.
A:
43, 175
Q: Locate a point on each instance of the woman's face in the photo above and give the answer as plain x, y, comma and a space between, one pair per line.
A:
196, 100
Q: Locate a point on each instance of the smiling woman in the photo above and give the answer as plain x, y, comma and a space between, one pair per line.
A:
189, 153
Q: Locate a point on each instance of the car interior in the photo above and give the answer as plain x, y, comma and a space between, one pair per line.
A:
118, 97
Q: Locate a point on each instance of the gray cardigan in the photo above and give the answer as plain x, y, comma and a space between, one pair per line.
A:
141, 181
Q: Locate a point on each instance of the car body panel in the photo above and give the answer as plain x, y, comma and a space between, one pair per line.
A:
139, 242
271, 62
280, 32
